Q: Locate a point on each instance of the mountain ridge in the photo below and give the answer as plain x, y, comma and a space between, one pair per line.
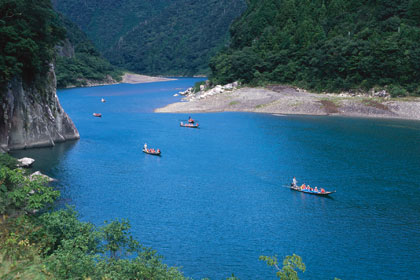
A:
165, 38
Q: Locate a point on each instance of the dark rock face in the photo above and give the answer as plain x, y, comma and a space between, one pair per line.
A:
66, 49
31, 116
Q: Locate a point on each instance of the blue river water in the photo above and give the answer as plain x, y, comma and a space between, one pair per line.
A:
217, 199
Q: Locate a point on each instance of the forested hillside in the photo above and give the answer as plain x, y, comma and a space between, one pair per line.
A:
29, 30
80, 62
326, 45
161, 37
31, 115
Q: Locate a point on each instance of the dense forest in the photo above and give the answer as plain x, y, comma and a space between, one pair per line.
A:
325, 45
161, 37
85, 63
29, 31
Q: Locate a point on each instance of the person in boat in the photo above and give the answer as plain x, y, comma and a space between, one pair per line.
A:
303, 187
309, 188
316, 189
322, 190
145, 147
190, 120
294, 182
158, 151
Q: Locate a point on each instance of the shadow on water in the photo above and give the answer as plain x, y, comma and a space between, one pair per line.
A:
47, 156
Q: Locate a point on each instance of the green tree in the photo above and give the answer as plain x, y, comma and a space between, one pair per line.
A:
29, 31
117, 239
290, 265
19, 193
8, 161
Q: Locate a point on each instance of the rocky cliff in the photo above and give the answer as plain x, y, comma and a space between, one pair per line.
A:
31, 115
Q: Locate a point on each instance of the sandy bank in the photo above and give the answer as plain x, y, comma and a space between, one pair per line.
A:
130, 78
286, 100
127, 78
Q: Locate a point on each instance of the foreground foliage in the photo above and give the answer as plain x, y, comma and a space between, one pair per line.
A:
66, 248
325, 45
57, 245
290, 264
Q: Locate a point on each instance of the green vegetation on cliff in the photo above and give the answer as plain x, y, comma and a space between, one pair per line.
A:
79, 60
163, 37
29, 30
325, 45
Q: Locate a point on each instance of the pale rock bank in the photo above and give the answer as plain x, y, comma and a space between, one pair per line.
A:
284, 100
38, 174
31, 116
25, 162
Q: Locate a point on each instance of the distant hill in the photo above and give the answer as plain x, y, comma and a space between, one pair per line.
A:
326, 45
79, 63
164, 37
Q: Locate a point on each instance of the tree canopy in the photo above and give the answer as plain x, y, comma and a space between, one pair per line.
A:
86, 64
325, 45
29, 30
163, 37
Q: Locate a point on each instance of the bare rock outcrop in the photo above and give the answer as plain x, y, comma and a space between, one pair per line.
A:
38, 174
31, 115
25, 162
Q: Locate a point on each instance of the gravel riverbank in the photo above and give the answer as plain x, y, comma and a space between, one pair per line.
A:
127, 78
288, 100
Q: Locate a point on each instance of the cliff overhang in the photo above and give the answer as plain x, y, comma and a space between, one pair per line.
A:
31, 115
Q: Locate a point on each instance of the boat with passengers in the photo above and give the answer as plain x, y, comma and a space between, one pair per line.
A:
190, 125
307, 189
151, 151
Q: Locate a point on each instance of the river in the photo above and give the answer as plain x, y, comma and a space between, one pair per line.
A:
217, 199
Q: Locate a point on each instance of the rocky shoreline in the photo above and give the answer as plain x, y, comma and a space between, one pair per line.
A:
31, 115
287, 100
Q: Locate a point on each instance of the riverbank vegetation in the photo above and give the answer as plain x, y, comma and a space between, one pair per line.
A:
332, 45
38, 243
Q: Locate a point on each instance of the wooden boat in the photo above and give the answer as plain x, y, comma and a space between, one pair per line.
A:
97, 115
148, 151
190, 125
294, 188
